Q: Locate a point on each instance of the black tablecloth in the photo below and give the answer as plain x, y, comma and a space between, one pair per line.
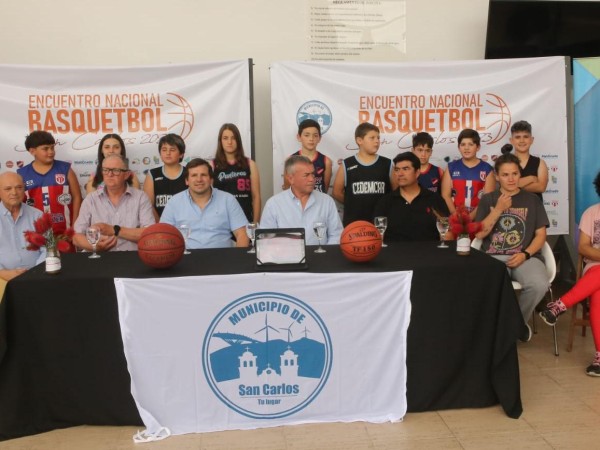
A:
61, 353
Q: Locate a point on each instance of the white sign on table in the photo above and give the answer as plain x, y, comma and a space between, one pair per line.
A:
245, 351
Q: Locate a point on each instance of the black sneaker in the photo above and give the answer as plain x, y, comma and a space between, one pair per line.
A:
552, 311
593, 370
527, 333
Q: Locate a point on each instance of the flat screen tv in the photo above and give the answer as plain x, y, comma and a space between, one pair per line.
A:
524, 29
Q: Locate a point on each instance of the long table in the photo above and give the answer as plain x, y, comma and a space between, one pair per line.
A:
61, 354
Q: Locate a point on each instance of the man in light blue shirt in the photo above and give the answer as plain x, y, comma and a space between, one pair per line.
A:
15, 218
212, 215
302, 206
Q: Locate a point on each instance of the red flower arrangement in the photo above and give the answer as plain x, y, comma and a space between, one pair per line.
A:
461, 223
44, 236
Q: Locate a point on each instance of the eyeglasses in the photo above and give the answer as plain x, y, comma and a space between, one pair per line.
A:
106, 171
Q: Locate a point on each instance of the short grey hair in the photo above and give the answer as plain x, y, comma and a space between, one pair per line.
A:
291, 162
123, 159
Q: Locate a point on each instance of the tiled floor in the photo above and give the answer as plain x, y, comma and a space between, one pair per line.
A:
561, 410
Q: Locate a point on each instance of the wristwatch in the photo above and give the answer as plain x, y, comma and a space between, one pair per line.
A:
527, 255
117, 229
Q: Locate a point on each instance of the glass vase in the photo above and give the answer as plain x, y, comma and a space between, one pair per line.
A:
463, 245
52, 260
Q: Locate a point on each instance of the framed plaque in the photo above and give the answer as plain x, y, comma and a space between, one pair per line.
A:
280, 249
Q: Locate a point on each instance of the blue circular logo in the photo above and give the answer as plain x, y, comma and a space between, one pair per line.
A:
267, 355
317, 111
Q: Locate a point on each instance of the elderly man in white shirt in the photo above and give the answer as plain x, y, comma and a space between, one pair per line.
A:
301, 206
15, 218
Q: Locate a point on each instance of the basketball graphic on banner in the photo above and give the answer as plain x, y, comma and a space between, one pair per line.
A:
500, 125
184, 115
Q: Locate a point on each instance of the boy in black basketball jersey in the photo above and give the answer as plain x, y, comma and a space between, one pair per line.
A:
363, 179
309, 136
164, 182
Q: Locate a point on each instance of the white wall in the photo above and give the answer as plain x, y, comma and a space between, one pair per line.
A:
149, 32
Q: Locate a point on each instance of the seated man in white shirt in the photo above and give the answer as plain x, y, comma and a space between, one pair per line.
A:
119, 211
212, 215
301, 206
15, 218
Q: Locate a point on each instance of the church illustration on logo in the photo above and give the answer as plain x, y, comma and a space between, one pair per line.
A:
248, 359
250, 373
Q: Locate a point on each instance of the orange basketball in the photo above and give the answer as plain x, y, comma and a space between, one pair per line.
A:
161, 246
360, 241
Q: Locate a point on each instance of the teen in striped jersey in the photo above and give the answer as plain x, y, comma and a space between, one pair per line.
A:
50, 185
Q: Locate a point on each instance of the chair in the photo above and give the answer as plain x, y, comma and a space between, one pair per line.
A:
550, 264
584, 320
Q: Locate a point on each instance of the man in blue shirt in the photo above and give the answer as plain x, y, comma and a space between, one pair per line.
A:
212, 215
15, 218
302, 206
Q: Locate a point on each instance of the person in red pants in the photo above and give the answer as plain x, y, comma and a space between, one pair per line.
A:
589, 284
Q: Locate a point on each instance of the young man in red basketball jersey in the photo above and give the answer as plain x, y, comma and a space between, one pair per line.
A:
50, 185
467, 179
119, 211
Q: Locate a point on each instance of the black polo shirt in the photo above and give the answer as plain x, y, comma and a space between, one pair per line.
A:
413, 221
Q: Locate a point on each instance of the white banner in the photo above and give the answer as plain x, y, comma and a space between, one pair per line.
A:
440, 98
79, 105
260, 350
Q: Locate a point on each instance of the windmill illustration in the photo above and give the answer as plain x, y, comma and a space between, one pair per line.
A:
289, 330
266, 329
306, 331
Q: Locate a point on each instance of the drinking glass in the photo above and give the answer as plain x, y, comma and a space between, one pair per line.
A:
93, 236
184, 229
442, 225
320, 229
251, 232
381, 225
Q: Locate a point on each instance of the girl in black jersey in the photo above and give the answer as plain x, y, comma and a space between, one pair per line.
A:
235, 173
